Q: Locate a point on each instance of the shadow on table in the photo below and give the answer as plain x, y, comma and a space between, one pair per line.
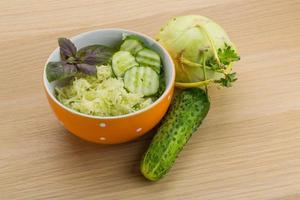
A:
109, 161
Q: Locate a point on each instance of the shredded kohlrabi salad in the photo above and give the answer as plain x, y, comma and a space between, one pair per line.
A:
101, 95
102, 81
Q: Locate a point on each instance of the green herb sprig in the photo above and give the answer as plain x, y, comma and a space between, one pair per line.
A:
226, 56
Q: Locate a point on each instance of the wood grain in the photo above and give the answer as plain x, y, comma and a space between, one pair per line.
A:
247, 149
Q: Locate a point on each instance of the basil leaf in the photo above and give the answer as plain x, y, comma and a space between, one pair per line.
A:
90, 58
59, 71
67, 48
95, 54
87, 69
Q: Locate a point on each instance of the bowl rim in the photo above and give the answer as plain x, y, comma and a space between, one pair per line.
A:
167, 90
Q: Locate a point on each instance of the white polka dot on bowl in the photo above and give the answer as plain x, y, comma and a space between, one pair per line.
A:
102, 138
102, 125
138, 130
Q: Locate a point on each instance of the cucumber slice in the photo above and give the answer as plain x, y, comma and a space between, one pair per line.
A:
121, 62
141, 80
149, 58
131, 45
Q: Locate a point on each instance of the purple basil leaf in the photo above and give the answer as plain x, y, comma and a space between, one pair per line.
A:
67, 48
90, 58
87, 69
95, 54
59, 71
72, 60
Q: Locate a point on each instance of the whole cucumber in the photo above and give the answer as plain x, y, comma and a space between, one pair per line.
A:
183, 118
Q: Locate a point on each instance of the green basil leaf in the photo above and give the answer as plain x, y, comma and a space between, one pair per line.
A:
59, 71
95, 54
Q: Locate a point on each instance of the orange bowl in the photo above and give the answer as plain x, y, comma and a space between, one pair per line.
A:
115, 129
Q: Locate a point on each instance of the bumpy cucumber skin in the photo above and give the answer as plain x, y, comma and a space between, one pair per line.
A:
184, 116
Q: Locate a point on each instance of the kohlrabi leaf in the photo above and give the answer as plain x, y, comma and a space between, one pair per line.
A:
95, 54
227, 80
59, 70
227, 55
67, 48
87, 69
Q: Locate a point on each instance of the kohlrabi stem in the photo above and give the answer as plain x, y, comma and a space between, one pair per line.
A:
179, 59
194, 84
190, 63
204, 72
211, 43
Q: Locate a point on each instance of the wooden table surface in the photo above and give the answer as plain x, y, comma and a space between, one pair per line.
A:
247, 148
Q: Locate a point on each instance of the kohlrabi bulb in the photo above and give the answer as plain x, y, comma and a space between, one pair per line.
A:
188, 39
